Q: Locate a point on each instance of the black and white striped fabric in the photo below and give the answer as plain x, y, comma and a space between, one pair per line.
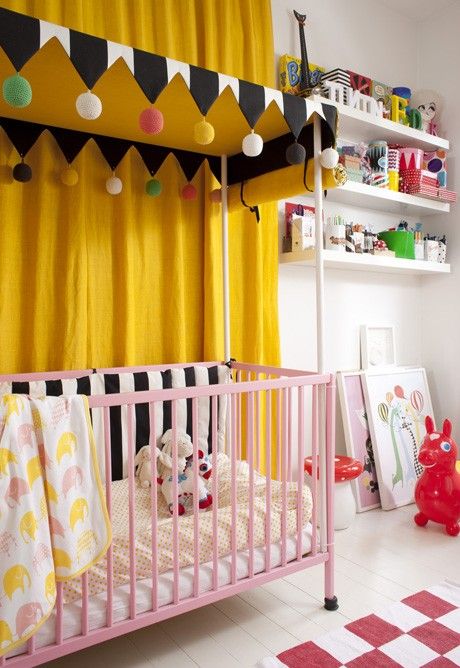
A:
108, 383
22, 36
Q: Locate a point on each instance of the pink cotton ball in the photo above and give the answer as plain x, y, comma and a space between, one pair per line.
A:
151, 121
189, 191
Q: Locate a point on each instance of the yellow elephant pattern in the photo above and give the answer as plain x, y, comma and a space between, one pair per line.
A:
28, 541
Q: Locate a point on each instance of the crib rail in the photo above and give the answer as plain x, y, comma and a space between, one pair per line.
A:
257, 528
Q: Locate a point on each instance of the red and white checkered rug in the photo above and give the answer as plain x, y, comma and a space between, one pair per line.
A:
421, 630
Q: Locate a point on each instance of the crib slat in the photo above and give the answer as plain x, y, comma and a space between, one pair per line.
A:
84, 604
196, 515
300, 464
215, 498
268, 476
154, 506
108, 497
289, 462
250, 458
132, 517
233, 441
175, 491
278, 434
314, 473
284, 469
239, 422
59, 614
31, 645
257, 376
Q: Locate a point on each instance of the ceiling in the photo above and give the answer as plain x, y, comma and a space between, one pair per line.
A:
418, 10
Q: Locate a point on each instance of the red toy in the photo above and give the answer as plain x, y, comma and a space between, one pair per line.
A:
437, 493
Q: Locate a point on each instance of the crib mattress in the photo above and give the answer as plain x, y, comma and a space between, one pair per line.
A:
97, 576
121, 610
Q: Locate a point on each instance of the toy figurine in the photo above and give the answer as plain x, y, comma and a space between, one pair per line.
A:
429, 104
437, 493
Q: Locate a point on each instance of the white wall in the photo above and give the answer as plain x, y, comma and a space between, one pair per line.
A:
441, 298
383, 45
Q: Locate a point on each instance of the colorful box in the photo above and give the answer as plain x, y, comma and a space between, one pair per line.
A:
382, 93
360, 82
289, 68
411, 158
401, 242
435, 162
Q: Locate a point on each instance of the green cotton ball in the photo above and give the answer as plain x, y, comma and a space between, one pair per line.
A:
153, 187
17, 91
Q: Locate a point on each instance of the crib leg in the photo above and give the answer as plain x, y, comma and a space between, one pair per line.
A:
330, 600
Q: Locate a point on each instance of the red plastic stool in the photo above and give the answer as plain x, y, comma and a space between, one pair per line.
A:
346, 469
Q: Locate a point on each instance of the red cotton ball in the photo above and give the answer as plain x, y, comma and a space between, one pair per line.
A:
189, 191
151, 121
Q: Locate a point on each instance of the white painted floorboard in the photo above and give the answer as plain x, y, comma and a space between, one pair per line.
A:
381, 558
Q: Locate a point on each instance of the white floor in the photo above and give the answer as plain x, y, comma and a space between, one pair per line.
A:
381, 558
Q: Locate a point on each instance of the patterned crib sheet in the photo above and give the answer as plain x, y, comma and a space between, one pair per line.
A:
97, 576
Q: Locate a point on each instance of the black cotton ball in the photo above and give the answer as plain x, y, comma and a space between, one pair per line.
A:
295, 154
22, 172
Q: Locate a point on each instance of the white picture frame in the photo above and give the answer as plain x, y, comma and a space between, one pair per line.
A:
397, 402
358, 439
378, 348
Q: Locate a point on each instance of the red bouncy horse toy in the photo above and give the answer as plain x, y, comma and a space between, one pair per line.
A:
437, 493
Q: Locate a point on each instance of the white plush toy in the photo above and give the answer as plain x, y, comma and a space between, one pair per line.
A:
164, 457
185, 485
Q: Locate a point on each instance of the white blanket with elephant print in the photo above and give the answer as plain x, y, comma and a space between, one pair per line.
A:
53, 518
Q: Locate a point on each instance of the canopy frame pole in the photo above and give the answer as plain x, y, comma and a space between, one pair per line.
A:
319, 279
225, 259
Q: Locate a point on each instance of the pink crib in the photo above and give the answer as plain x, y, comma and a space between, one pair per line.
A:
260, 527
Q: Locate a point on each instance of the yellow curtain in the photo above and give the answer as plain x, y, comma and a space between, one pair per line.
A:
87, 279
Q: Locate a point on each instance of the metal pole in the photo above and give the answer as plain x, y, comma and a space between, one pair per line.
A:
319, 275
225, 265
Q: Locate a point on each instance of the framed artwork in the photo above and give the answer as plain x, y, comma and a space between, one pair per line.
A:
397, 402
358, 439
377, 346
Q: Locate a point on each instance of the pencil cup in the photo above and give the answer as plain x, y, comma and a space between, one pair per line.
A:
335, 237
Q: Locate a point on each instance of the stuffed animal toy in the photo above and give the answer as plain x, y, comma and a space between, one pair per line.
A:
164, 457
185, 484
437, 493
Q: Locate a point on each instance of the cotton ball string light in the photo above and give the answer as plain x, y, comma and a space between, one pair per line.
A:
216, 196
17, 91
329, 158
22, 172
153, 187
151, 121
114, 185
295, 153
69, 176
189, 192
89, 106
252, 144
203, 132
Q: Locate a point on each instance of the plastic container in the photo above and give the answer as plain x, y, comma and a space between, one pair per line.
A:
402, 243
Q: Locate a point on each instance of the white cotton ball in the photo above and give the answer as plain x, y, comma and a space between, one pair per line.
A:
252, 144
329, 158
114, 185
89, 106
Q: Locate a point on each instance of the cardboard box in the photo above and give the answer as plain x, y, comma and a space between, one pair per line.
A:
289, 68
303, 231
360, 82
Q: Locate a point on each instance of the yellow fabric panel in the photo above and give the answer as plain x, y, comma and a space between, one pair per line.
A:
88, 279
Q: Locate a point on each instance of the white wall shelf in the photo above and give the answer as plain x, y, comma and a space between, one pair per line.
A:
365, 262
354, 124
382, 199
